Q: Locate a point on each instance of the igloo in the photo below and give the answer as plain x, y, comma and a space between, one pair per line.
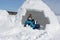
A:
40, 12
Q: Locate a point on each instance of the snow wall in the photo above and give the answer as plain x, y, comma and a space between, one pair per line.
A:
6, 21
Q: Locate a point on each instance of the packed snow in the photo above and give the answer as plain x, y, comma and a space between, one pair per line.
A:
12, 29
5, 22
58, 17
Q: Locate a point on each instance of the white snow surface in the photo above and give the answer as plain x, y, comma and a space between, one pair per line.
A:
58, 18
12, 29
5, 23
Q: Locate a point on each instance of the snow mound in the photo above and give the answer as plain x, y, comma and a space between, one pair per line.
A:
5, 22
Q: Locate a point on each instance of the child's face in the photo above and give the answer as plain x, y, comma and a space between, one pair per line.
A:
30, 18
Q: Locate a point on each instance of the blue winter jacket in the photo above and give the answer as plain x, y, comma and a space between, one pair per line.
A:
31, 23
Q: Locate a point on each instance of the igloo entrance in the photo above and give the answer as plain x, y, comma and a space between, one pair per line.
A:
37, 15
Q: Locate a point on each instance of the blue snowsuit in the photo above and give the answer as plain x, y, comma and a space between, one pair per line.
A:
31, 23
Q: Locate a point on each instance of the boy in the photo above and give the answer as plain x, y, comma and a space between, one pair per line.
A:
31, 22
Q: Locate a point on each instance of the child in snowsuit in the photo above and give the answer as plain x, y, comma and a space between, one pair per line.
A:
31, 22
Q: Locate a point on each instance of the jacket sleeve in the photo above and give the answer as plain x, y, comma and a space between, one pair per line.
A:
33, 21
